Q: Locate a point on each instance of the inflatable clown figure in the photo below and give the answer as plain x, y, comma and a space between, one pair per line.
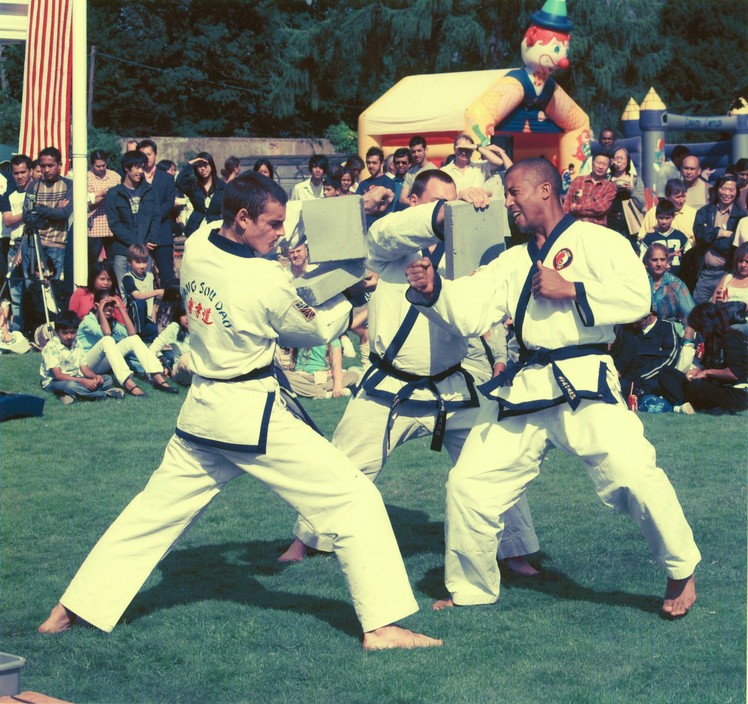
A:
528, 103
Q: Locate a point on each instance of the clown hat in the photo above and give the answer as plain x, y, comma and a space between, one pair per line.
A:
552, 16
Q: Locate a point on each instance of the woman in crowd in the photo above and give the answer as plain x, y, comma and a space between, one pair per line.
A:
720, 385
264, 167
671, 298
176, 335
346, 182
714, 229
734, 286
629, 188
101, 279
232, 167
199, 181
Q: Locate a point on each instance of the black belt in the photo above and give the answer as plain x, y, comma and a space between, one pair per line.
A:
542, 357
261, 373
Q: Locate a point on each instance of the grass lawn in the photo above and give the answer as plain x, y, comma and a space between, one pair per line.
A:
220, 621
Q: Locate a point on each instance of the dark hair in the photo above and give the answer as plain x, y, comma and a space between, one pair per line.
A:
165, 165
169, 300
651, 249
599, 151
740, 253
97, 155
207, 156
664, 208
627, 170
679, 152
250, 191
147, 143
421, 181
403, 152
137, 253
54, 152
712, 322
607, 129
741, 164
342, 173
34, 163
417, 141
331, 181
318, 160
265, 162
721, 181
230, 165
178, 309
66, 320
375, 151
540, 170
19, 159
97, 268
355, 162
98, 295
133, 158
674, 186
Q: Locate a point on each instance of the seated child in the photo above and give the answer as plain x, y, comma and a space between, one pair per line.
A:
139, 292
675, 241
319, 372
105, 342
63, 370
177, 336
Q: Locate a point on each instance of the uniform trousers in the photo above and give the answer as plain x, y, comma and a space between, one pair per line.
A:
362, 437
107, 354
302, 468
501, 458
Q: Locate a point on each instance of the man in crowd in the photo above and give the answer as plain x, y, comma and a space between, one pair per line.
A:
100, 180
670, 169
162, 250
697, 189
675, 192
590, 197
234, 422
415, 386
313, 186
420, 162
565, 290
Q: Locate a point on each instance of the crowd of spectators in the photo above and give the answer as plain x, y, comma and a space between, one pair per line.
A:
129, 319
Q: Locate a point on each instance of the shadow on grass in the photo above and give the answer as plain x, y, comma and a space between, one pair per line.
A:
553, 583
225, 573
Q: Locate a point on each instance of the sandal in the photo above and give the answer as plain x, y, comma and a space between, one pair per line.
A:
164, 386
134, 390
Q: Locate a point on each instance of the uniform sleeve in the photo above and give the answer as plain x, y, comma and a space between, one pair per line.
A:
297, 323
399, 234
618, 291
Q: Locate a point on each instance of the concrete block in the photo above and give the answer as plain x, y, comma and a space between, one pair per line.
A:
472, 238
329, 279
335, 228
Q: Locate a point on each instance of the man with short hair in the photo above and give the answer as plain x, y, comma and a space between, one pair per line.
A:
162, 249
415, 386
401, 160
565, 290
312, 188
467, 173
47, 208
377, 177
670, 169
235, 421
11, 211
697, 189
675, 192
590, 197
607, 143
420, 162
100, 180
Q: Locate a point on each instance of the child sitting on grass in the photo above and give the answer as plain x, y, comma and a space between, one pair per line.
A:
177, 336
63, 371
139, 292
105, 342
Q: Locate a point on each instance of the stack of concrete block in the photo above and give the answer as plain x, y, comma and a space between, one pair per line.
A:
335, 232
472, 238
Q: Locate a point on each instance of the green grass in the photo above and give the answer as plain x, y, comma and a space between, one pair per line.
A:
220, 621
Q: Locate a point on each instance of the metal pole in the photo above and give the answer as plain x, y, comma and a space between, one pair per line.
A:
80, 146
91, 63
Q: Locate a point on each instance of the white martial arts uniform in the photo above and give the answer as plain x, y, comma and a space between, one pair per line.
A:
430, 350
573, 403
234, 421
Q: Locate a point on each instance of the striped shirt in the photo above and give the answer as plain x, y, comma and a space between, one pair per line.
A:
97, 222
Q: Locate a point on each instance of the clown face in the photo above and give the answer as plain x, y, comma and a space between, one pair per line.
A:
544, 52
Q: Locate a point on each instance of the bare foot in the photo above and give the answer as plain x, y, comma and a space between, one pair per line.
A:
680, 595
395, 637
60, 619
296, 552
519, 565
442, 604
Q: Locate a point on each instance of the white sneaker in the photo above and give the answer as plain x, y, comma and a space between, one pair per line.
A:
347, 345
66, 400
114, 392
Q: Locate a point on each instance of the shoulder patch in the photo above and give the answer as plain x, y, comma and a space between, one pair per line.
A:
305, 309
562, 259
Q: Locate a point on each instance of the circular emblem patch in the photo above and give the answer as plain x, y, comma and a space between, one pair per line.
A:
562, 259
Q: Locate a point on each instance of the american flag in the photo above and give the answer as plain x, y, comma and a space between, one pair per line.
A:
45, 108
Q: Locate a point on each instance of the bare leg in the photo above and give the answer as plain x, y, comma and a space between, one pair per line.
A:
396, 637
296, 552
680, 595
60, 619
442, 604
519, 565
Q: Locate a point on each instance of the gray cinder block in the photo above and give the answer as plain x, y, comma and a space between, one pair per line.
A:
335, 228
472, 238
328, 280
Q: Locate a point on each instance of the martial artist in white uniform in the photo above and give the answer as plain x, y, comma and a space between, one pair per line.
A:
403, 394
563, 392
234, 421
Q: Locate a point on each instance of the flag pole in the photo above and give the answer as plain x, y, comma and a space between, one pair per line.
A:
80, 145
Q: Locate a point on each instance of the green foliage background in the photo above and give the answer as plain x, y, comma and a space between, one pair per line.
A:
297, 68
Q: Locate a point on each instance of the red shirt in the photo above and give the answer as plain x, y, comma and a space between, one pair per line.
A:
590, 200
